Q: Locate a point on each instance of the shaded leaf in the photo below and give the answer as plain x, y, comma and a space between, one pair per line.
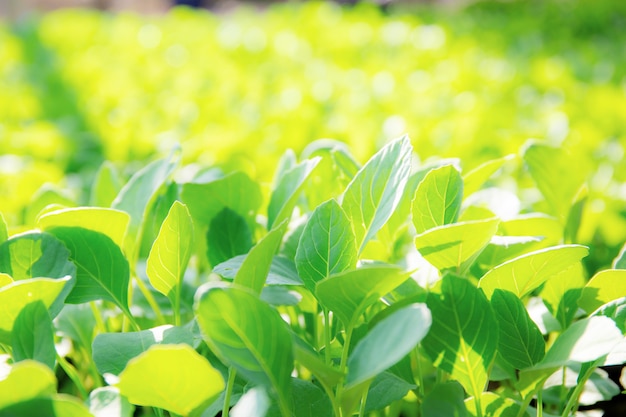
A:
282, 270
438, 198
385, 389
309, 358
445, 400
32, 336
561, 293
308, 400
58, 405
228, 236
77, 322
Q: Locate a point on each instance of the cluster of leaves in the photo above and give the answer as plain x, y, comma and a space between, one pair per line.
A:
392, 288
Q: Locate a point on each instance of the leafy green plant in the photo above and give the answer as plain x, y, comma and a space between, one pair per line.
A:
249, 300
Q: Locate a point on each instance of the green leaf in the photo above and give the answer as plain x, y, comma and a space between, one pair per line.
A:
152, 377
77, 322
327, 245
32, 336
112, 351
5, 279
59, 405
135, 197
102, 270
107, 402
525, 273
278, 295
388, 342
534, 224
106, 185
556, 174
475, 178
308, 400
603, 287
620, 260
347, 294
235, 191
464, 334
256, 266
304, 354
170, 253
455, 245
110, 222
385, 389
375, 191
438, 198
25, 381
560, 293
520, 343
249, 335
445, 400
4, 232
282, 270
287, 191
229, 235
14, 297
493, 405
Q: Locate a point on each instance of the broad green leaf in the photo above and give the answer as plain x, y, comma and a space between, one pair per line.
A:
620, 260
388, 342
151, 378
256, 266
520, 343
464, 334
474, 179
287, 161
4, 232
108, 402
287, 191
106, 185
170, 253
249, 335
112, 351
534, 224
527, 272
455, 245
135, 197
14, 297
235, 191
304, 354
327, 245
26, 380
556, 174
102, 270
345, 161
254, 403
229, 235
278, 295
503, 248
282, 270
77, 322
32, 336
445, 400
561, 292
347, 294
385, 389
5, 279
110, 222
574, 217
375, 191
308, 400
438, 198
47, 196
493, 405
603, 287
58, 405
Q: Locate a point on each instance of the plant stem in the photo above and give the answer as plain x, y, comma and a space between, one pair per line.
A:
363, 402
150, 299
420, 375
176, 306
100, 324
72, 374
232, 373
479, 410
327, 330
344, 358
540, 403
572, 403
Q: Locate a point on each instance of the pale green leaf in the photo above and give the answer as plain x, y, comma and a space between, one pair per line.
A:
445, 400
249, 335
387, 343
474, 179
4, 232
327, 245
464, 334
106, 186
282, 270
385, 389
603, 287
255, 267
287, 191
32, 336
438, 198
520, 343
620, 260
110, 222
540, 225
455, 245
25, 381
347, 294
525, 273
170, 253
108, 402
376, 190
154, 376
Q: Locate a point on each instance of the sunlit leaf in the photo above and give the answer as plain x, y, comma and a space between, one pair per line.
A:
620, 260
438, 198
26, 380
106, 185
603, 287
108, 402
493, 405
4, 233
474, 179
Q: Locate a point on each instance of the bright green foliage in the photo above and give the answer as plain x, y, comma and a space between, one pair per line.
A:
493, 405
560, 293
228, 236
347, 294
438, 199
170, 253
455, 245
605, 286
520, 343
250, 336
327, 245
474, 179
172, 377
25, 381
527, 272
375, 191
5, 279
32, 336
463, 337
106, 185
59, 405
386, 389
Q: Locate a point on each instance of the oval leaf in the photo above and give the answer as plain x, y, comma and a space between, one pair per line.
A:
438, 198
228, 236
173, 377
